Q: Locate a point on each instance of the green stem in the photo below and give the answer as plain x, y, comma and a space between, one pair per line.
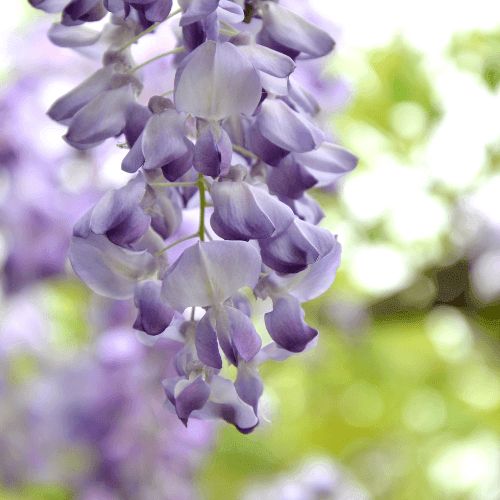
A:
208, 235
175, 184
173, 51
229, 27
227, 32
167, 93
245, 152
149, 30
201, 186
194, 235
192, 313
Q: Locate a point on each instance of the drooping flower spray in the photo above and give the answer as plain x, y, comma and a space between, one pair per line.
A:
236, 139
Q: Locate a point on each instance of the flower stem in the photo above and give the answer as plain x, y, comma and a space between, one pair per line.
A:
167, 93
208, 235
175, 184
245, 152
201, 186
229, 27
194, 235
173, 51
227, 32
149, 30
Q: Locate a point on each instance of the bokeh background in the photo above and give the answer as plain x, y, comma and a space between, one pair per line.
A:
401, 398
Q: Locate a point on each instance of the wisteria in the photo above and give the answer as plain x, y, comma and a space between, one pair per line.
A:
236, 140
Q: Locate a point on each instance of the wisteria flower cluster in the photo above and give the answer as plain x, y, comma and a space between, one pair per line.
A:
237, 140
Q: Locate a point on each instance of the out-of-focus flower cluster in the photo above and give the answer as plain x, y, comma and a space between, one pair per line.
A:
89, 424
317, 478
239, 143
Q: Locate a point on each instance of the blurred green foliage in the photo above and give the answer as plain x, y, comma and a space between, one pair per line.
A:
479, 53
409, 399
391, 87
393, 395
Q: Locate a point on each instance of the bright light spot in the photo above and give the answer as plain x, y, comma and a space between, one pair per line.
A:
485, 200
75, 175
461, 467
379, 269
52, 89
361, 404
425, 411
485, 276
362, 194
480, 387
110, 175
408, 119
360, 136
450, 333
456, 152
418, 217
118, 345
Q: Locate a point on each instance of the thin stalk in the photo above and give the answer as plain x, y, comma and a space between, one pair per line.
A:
229, 27
208, 235
173, 51
201, 186
167, 93
192, 313
194, 235
149, 30
175, 184
227, 32
245, 152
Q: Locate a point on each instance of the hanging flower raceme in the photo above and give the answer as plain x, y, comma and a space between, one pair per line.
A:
237, 144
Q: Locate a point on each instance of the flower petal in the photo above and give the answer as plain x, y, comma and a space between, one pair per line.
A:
66, 106
49, 6
248, 385
207, 347
246, 339
134, 159
213, 151
153, 315
216, 81
163, 139
192, 397
313, 281
158, 11
178, 167
103, 117
245, 212
273, 84
224, 403
195, 10
293, 31
230, 12
72, 36
266, 150
108, 269
290, 179
285, 323
208, 273
131, 229
297, 247
286, 128
268, 60
117, 205
328, 163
